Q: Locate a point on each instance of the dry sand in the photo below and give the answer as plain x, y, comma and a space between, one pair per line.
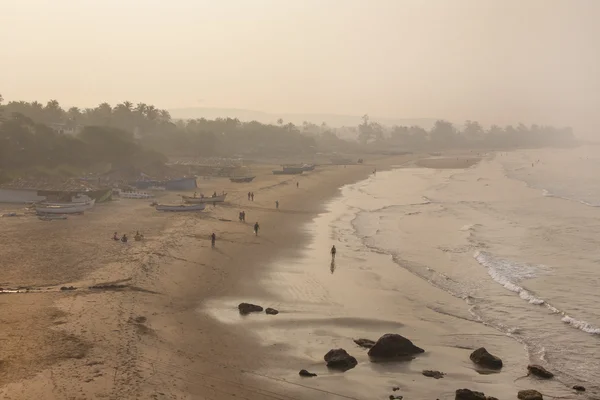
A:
140, 334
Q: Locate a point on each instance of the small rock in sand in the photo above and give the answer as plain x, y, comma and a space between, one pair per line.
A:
579, 388
68, 288
271, 311
366, 343
392, 345
305, 373
395, 388
539, 371
433, 374
485, 359
247, 308
339, 359
392, 397
530, 395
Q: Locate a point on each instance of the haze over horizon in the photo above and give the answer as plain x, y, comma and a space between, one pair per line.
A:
503, 62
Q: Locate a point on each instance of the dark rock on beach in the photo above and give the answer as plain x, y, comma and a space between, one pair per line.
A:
433, 374
579, 388
247, 308
485, 359
391, 346
467, 394
306, 374
366, 343
339, 359
539, 371
68, 288
530, 395
392, 397
271, 311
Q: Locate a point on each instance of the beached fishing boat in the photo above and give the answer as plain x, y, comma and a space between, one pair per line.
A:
202, 200
243, 179
180, 207
88, 204
133, 195
75, 209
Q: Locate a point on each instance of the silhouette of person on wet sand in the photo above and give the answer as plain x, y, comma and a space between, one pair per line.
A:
333, 252
213, 239
256, 227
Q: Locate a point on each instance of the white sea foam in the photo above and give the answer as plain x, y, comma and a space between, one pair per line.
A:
582, 325
508, 273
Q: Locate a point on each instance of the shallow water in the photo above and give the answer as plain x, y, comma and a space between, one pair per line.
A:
454, 260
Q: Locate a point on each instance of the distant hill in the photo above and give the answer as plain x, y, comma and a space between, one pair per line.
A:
332, 120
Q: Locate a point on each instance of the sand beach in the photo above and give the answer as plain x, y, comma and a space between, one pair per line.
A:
86, 317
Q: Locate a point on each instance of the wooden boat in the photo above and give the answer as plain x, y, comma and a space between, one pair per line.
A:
134, 195
243, 179
288, 172
180, 207
49, 209
88, 204
204, 200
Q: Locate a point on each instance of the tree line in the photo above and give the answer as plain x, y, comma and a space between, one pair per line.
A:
34, 134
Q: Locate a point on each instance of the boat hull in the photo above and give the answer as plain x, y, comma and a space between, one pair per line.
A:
180, 208
204, 200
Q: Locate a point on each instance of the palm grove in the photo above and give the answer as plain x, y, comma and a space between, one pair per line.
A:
36, 135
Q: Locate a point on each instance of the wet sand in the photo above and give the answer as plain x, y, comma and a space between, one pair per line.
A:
140, 333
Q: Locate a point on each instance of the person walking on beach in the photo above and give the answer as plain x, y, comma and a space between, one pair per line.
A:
333, 251
297, 185
252, 195
277, 204
248, 196
213, 239
256, 227
243, 216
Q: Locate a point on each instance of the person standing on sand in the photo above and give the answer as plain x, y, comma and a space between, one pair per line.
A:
333, 252
256, 227
297, 185
213, 239
252, 195
248, 196
277, 204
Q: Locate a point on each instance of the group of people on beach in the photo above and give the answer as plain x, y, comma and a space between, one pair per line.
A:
250, 196
138, 236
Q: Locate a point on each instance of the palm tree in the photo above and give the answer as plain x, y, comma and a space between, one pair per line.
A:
165, 115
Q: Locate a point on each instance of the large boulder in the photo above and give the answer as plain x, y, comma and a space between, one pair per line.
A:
391, 346
339, 359
485, 359
366, 343
539, 371
247, 308
530, 395
467, 394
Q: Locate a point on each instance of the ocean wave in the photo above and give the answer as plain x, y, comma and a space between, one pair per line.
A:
507, 273
581, 325
547, 193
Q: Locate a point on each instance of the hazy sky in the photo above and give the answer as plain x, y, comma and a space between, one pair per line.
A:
493, 60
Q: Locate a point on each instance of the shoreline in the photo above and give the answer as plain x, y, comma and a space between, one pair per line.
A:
166, 325
143, 328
